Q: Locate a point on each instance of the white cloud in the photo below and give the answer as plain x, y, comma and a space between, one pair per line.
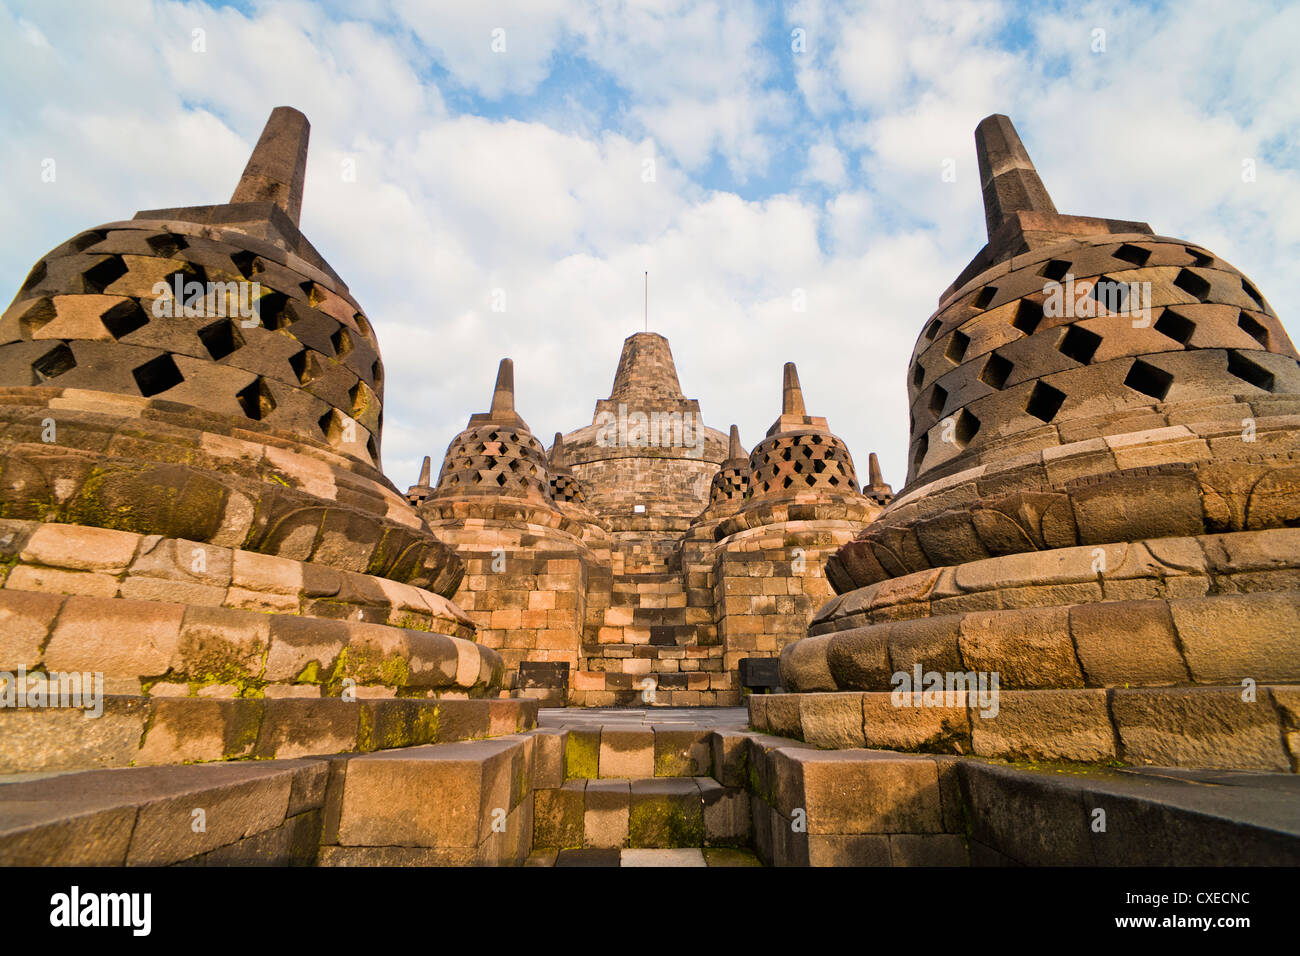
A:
552, 206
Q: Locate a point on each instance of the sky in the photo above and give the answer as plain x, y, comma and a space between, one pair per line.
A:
493, 179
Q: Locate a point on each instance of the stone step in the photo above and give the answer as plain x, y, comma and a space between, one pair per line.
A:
266, 812
644, 579
704, 856
137, 731
641, 812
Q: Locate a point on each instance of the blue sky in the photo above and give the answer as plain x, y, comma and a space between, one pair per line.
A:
776, 171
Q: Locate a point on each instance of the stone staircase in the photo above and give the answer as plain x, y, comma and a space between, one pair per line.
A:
639, 789
657, 641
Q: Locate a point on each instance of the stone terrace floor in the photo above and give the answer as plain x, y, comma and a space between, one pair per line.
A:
628, 718
690, 856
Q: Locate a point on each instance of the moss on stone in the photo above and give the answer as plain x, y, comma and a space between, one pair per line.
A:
242, 731
582, 756
309, 674
662, 822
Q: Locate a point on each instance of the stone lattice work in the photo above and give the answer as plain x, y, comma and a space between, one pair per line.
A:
301, 356
565, 485
799, 454
1099, 499
191, 504
732, 480
496, 454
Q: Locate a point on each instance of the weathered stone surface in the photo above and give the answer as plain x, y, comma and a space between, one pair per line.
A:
681, 753
119, 638
299, 728
1198, 727
1127, 642
665, 812
848, 849
859, 659
896, 722
1230, 637
605, 823
832, 721
860, 791
191, 731
726, 813
926, 849
627, 753
437, 796
46, 739
549, 758
782, 715
1027, 647
1046, 725
81, 548
25, 620
558, 815
804, 666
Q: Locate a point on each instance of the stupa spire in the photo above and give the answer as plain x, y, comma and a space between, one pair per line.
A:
277, 168
791, 393
1007, 175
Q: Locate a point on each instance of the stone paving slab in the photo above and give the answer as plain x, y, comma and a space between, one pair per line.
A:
637, 718
684, 856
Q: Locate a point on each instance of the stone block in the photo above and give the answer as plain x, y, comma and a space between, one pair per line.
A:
444, 795
726, 813
192, 730
832, 721
729, 758
219, 645
48, 739
1071, 725
928, 849
1024, 817
548, 750
605, 823
665, 812
79, 547
25, 619
1230, 637
305, 727
782, 715
582, 755
627, 753
303, 648
119, 638
558, 815
235, 805
848, 849
859, 658
896, 722
859, 791
1198, 727
681, 753
1127, 642
1026, 647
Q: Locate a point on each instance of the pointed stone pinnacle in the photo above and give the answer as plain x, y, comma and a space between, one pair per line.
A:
734, 448
426, 472
277, 168
791, 393
1007, 175
503, 395
874, 478
557, 449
